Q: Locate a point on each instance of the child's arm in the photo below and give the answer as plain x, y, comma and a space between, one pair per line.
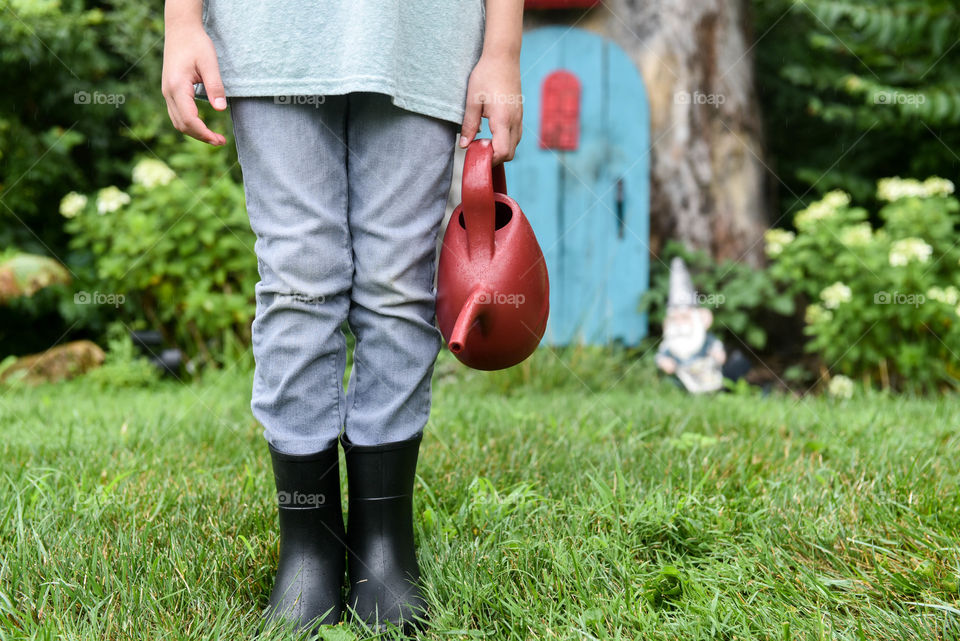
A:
493, 90
189, 57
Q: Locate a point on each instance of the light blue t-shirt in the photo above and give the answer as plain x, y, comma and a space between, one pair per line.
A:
420, 52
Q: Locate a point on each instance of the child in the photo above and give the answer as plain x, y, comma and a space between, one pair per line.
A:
345, 116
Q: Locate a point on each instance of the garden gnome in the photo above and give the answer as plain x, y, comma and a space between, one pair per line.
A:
688, 350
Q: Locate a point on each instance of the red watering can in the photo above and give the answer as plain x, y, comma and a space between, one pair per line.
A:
493, 294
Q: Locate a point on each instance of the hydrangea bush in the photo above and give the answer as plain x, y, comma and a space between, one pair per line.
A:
175, 245
884, 304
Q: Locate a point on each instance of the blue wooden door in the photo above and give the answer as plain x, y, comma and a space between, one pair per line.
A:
589, 206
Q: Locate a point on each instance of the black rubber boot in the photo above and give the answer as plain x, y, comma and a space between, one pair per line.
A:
381, 559
307, 589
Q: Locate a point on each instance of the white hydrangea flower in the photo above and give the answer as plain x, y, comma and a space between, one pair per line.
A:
909, 249
110, 199
892, 189
835, 295
816, 313
822, 209
837, 199
151, 173
840, 387
777, 239
856, 235
937, 186
949, 295
72, 204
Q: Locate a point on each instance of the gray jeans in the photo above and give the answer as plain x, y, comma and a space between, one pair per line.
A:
346, 195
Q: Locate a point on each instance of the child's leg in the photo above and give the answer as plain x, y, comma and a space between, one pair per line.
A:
399, 167
399, 170
294, 171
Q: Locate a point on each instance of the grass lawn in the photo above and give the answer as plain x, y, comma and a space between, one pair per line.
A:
572, 497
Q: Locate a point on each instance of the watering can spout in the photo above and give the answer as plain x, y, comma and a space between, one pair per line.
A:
468, 315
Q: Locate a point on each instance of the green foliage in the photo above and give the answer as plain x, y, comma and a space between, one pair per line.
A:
899, 47
884, 302
737, 294
39, 126
82, 101
123, 366
854, 90
87, 79
177, 245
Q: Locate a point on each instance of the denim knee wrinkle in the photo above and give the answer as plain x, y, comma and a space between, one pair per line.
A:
346, 195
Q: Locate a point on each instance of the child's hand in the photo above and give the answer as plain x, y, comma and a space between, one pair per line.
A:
189, 57
493, 91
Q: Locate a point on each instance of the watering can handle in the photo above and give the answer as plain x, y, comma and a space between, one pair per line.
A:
480, 181
499, 178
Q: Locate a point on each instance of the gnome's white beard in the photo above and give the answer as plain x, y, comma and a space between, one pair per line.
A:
684, 336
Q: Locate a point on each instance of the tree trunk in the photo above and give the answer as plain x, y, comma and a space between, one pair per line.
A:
707, 182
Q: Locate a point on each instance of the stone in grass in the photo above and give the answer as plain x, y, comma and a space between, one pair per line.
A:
54, 365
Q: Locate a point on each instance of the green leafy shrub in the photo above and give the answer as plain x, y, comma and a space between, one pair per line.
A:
883, 303
82, 100
855, 90
123, 366
738, 295
176, 246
